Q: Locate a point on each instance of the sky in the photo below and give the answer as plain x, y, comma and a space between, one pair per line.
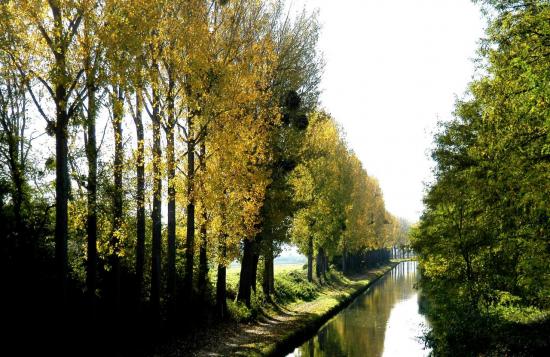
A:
394, 68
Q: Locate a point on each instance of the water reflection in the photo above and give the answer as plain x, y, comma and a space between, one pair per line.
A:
382, 322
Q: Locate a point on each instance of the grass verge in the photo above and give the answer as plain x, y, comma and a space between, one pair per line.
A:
337, 294
299, 308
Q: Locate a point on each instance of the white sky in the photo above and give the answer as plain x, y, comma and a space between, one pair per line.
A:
393, 68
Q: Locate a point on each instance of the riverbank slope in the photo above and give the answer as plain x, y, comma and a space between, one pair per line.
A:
278, 326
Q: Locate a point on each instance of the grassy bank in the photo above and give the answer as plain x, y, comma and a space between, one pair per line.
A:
298, 309
399, 260
331, 299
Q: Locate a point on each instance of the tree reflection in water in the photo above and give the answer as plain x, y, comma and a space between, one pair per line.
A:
383, 321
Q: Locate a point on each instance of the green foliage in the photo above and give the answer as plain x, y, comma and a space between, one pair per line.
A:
510, 310
341, 209
293, 285
238, 311
483, 238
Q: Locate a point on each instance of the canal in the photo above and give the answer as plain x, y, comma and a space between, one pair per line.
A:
384, 321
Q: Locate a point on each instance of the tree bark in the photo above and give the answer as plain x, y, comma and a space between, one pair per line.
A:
118, 112
310, 259
16, 169
190, 236
17, 194
171, 168
61, 188
203, 258
91, 218
12, 122
221, 289
140, 197
319, 264
245, 277
157, 204
254, 272
60, 96
344, 261
268, 269
12, 127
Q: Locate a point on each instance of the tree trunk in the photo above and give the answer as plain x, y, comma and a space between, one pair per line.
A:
156, 214
266, 275
221, 289
118, 112
310, 259
190, 236
254, 271
344, 261
17, 196
12, 126
17, 174
61, 95
272, 275
170, 163
140, 193
268, 269
91, 218
203, 258
61, 188
319, 264
245, 277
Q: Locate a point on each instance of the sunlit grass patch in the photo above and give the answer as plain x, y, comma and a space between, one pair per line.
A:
279, 268
292, 285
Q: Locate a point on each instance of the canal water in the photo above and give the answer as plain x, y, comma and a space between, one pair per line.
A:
384, 321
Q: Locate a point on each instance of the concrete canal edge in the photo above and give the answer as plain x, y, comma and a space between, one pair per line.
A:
309, 326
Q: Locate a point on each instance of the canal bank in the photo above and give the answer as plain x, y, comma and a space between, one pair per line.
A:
384, 321
309, 325
279, 328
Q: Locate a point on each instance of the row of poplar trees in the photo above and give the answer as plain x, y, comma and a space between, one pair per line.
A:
145, 143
